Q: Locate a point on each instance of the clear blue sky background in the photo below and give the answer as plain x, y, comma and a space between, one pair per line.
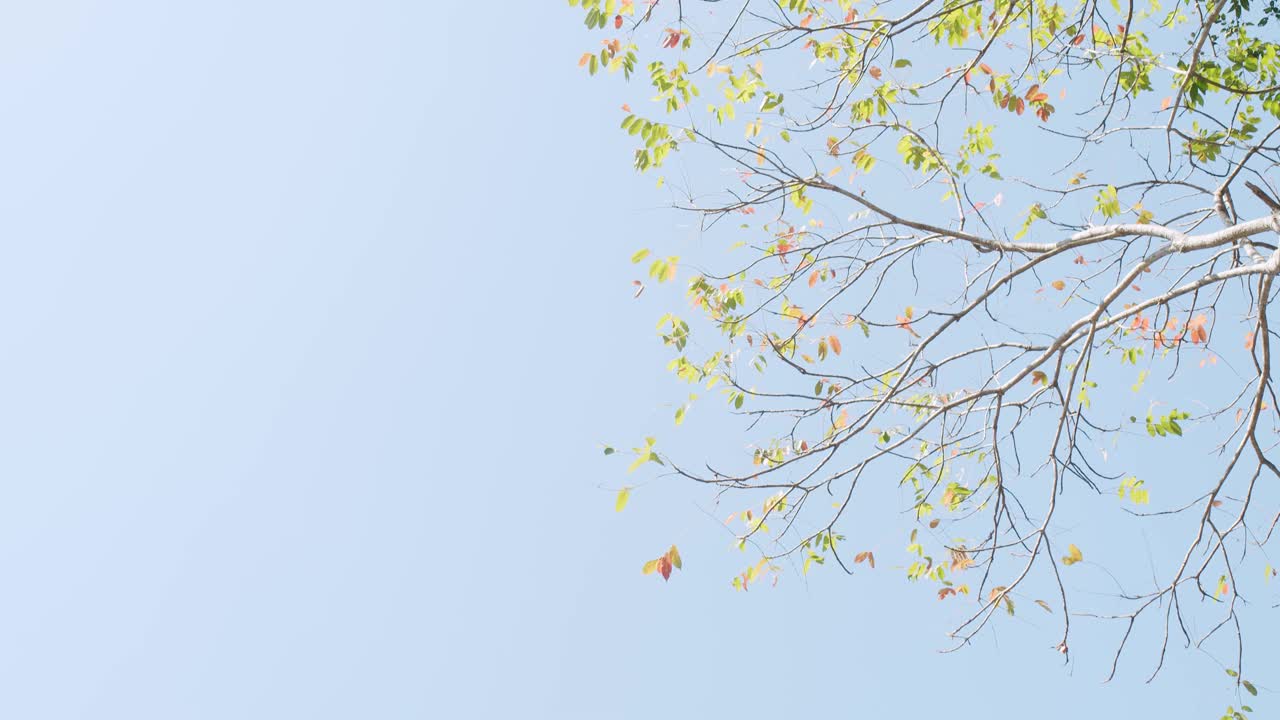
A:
312, 317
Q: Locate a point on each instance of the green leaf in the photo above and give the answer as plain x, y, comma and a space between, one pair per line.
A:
623, 496
641, 459
1249, 686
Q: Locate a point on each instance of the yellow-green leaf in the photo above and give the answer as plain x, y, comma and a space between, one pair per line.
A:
1073, 555
623, 496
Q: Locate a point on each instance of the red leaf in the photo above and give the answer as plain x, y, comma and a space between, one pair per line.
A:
672, 39
664, 567
1077, 39
617, 21
1198, 332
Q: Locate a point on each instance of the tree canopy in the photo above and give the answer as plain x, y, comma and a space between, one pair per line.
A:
1000, 253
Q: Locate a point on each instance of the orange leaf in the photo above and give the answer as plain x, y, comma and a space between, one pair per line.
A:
807, 19
835, 344
876, 72
586, 57
1058, 284
813, 278
1165, 103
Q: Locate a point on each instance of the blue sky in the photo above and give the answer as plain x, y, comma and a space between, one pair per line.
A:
314, 316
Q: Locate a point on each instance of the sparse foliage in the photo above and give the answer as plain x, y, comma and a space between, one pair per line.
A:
955, 240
